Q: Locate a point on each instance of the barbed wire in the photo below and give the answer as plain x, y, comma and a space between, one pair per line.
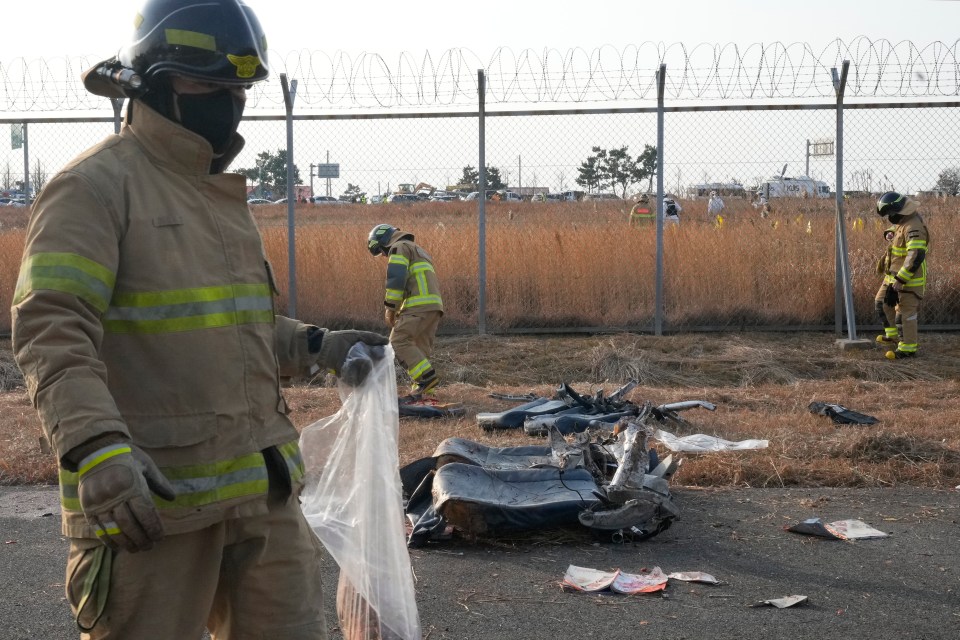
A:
341, 81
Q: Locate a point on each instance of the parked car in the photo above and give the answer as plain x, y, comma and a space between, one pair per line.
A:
446, 197
602, 196
324, 200
259, 201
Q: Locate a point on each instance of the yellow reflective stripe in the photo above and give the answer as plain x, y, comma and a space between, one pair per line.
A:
189, 309
199, 485
190, 39
68, 273
917, 244
396, 258
899, 252
185, 296
111, 530
908, 347
101, 455
418, 369
294, 459
394, 295
419, 301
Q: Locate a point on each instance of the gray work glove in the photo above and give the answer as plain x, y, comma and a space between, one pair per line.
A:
115, 494
333, 352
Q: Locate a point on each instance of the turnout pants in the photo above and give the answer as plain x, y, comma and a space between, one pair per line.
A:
906, 314
244, 578
412, 340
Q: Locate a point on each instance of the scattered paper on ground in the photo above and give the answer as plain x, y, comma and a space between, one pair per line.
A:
782, 603
586, 579
693, 576
702, 443
656, 580
839, 530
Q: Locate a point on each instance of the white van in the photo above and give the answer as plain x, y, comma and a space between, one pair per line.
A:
799, 187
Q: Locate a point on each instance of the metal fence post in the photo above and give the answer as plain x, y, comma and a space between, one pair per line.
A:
289, 95
482, 210
844, 279
26, 166
658, 303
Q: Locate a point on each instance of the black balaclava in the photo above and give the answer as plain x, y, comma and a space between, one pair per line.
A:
214, 116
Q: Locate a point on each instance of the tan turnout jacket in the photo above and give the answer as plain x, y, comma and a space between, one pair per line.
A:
412, 284
145, 307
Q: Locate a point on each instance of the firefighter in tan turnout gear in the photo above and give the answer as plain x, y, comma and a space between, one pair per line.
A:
145, 326
412, 304
898, 300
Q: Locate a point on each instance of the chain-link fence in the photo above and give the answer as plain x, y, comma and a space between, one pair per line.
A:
556, 247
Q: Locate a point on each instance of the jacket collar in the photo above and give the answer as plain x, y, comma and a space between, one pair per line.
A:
171, 145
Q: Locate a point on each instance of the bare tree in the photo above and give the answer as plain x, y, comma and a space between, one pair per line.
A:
39, 177
862, 180
7, 178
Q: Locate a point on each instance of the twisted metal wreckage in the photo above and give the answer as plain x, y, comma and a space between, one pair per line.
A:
597, 470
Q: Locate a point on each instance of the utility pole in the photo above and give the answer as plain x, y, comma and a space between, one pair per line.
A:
328, 179
311, 179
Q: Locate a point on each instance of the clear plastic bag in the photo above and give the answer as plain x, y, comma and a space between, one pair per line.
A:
353, 501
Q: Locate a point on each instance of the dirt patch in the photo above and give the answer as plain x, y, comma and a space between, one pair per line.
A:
762, 385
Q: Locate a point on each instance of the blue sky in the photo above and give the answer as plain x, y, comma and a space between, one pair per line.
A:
45, 28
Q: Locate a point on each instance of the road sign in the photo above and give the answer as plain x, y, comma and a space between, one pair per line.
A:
821, 148
331, 170
16, 135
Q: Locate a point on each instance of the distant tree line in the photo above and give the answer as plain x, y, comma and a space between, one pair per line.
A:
615, 169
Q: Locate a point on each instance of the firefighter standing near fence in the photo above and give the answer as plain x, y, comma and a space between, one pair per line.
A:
641, 212
898, 300
412, 305
144, 323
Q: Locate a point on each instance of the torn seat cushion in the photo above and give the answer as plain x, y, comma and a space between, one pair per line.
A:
480, 500
470, 452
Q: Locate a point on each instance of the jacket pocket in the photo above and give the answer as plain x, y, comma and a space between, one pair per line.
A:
160, 432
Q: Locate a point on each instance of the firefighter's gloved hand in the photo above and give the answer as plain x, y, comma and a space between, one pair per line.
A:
333, 354
390, 316
891, 297
115, 494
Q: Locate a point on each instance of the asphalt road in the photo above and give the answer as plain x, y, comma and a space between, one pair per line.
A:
906, 586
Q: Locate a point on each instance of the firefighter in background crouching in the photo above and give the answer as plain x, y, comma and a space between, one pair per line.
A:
413, 306
898, 300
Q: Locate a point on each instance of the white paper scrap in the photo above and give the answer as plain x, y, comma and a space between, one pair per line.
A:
702, 443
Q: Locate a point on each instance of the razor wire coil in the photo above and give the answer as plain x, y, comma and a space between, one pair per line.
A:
704, 72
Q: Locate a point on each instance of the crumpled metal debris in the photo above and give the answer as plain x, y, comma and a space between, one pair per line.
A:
840, 414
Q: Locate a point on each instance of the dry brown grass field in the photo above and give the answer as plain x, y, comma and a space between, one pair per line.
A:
762, 384
581, 265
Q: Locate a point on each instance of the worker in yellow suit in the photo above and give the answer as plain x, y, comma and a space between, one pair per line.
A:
413, 306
